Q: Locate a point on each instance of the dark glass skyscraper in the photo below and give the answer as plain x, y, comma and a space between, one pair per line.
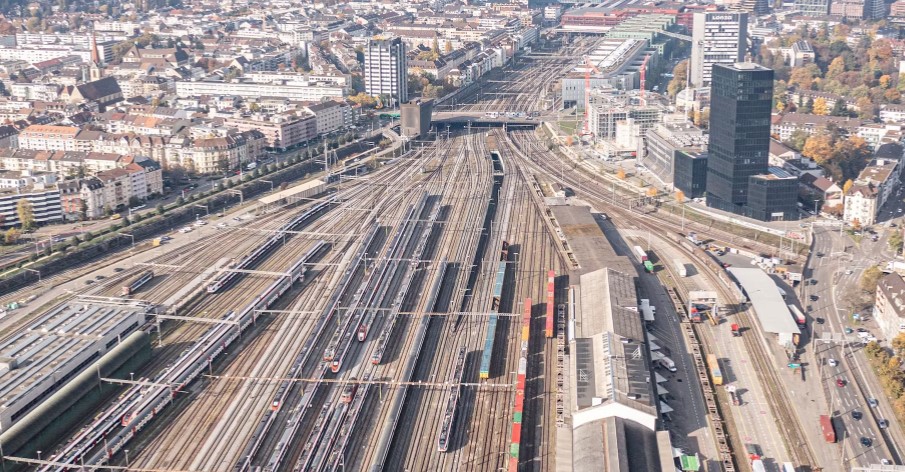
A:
741, 96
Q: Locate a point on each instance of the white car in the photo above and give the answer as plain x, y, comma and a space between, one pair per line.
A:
200, 223
187, 229
832, 362
222, 225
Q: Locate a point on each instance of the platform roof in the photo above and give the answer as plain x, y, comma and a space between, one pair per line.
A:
291, 191
769, 305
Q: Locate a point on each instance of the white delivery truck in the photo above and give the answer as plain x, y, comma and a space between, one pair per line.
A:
680, 268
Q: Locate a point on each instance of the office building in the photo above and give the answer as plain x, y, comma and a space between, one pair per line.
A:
718, 37
739, 144
813, 7
773, 196
690, 173
386, 70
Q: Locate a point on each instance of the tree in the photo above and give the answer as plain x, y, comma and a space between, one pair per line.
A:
836, 68
895, 241
448, 47
820, 107
569, 140
802, 77
620, 174
161, 209
870, 278
818, 147
839, 108
797, 139
435, 47
680, 196
11, 236
651, 192
26, 212
223, 165
365, 100
679, 78
847, 186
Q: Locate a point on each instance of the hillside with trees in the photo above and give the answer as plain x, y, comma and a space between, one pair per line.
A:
865, 73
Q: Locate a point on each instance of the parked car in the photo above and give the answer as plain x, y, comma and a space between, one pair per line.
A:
832, 362
883, 424
857, 414
840, 383
814, 298
819, 320
873, 402
866, 442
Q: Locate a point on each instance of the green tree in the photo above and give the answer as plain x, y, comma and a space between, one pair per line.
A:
797, 140
839, 108
26, 212
870, 278
895, 241
161, 209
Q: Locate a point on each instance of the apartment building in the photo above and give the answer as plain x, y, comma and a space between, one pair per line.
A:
386, 69
48, 138
283, 131
870, 191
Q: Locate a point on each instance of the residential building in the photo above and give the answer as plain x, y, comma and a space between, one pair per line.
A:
741, 99
49, 138
9, 137
889, 307
826, 191
783, 125
329, 116
802, 54
718, 37
297, 91
82, 198
386, 72
892, 113
117, 188
44, 199
792, 161
870, 191
283, 131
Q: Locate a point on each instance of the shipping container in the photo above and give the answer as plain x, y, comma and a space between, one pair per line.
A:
681, 270
736, 331
715, 374
826, 426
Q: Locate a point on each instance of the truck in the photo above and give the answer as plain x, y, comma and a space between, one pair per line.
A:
716, 375
693, 238
799, 316
642, 256
736, 331
826, 426
667, 364
648, 311
680, 268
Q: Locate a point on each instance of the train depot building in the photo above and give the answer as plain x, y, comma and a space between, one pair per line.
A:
613, 412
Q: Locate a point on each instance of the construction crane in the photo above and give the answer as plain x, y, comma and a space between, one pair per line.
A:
587, 94
643, 73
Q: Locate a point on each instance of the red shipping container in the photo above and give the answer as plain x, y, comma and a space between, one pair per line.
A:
516, 433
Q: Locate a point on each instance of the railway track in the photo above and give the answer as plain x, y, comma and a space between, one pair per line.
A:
779, 403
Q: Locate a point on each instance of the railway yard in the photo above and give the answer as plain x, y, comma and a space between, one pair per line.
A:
417, 314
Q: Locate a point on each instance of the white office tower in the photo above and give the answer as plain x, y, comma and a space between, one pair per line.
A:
386, 69
718, 38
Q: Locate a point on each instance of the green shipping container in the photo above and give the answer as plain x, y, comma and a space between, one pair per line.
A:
513, 450
517, 417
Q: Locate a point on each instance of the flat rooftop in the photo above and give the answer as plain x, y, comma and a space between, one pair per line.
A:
587, 240
291, 191
771, 309
47, 353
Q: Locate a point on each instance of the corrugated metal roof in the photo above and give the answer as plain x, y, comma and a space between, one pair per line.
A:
768, 304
